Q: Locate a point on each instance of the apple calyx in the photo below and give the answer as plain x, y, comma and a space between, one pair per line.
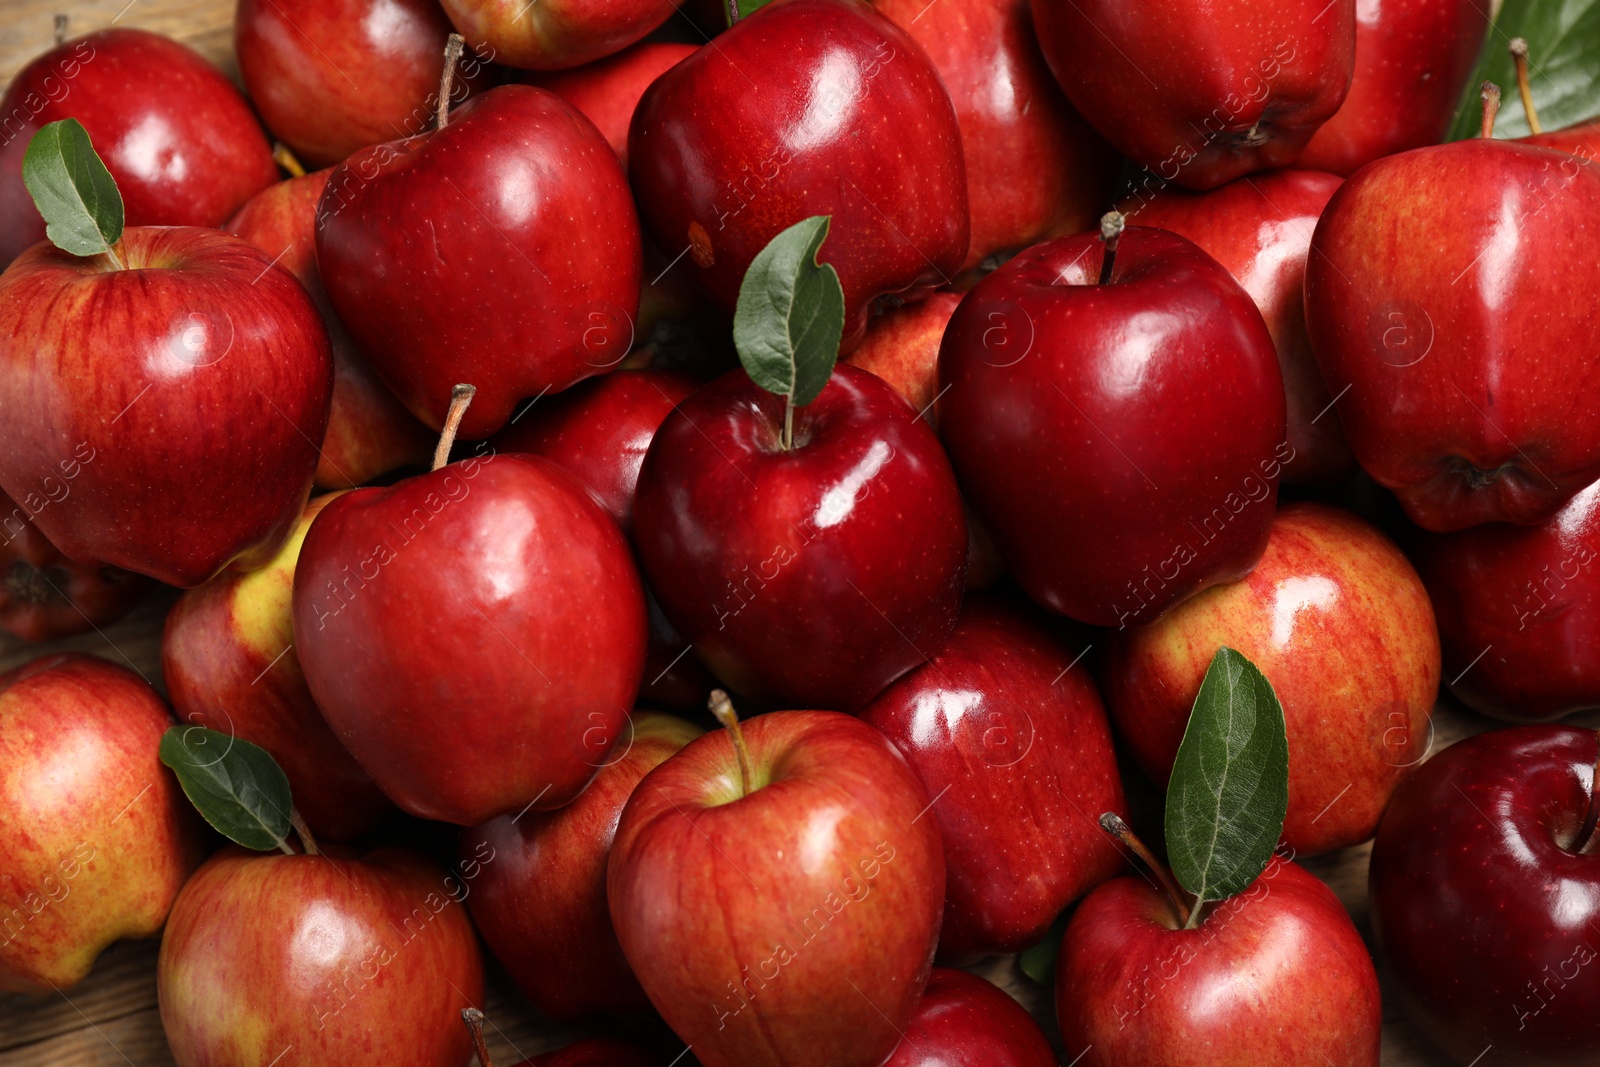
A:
287, 160
453, 47
28, 584
1586, 832
1519, 59
1491, 108
1112, 824
1111, 226
460, 397
473, 1018
722, 710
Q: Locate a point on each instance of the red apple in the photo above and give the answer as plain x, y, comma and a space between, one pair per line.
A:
963, 1019
854, 124
1450, 291
1485, 890
341, 960
127, 393
332, 76
475, 636
97, 836
1260, 229
527, 277
1277, 974
369, 431
1010, 735
1517, 607
781, 909
815, 575
540, 900
1413, 59
1122, 441
228, 659
560, 33
1035, 169
1580, 139
183, 146
44, 595
593, 1052
1199, 92
608, 90
902, 347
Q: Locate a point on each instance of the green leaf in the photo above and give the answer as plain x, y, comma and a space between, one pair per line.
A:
791, 314
235, 785
1039, 962
1563, 55
72, 189
1230, 783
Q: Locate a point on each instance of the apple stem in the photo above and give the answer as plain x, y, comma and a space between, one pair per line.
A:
722, 711
114, 255
733, 12
1112, 824
1586, 834
786, 441
286, 159
1491, 108
452, 56
460, 397
61, 28
474, 1020
1519, 58
307, 842
1111, 224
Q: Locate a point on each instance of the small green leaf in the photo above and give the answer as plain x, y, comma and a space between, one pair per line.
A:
1563, 54
1039, 962
72, 189
791, 314
236, 786
1230, 783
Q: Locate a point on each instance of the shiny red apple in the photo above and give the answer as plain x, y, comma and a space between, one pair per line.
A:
1580, 139
608, 90
560, 33
44, 595
963, 1019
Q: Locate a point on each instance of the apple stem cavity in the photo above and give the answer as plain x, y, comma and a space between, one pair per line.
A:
460, 397
1586, 833
1491, 108
452, 55
1519, 59
1112, 824
722, 710
286, 159
61, 28
474, 1020
303, 831
1111, 226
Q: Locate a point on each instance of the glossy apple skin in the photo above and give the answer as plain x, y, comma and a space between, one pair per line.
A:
475, 636
1468, 396
1413, 59
1339, 622
541, 899
856, 125
123, 393
1487, 921
513, 299
98, 838
1200, 93
608, 90
1040, 363
1580, 139
902, 347
1275, 975
964, 1019
812, 576
176, 135
1260, 229
347, 960
559, 34
332, 76
1517, 609
743, 916
44, 595
1035, 168
1012, 736
369, 431
228, 659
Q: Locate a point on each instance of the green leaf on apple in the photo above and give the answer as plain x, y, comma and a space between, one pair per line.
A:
1229, 788
1563, 54
72, 189
790, 316
236, 786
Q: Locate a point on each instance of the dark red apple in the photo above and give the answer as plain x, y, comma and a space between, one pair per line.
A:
1260, 229
162, 418
1122, 442
811, 576
1007, 730
963, 1019
1199, 92
44, 595
1485, 890
518, 270
175, 134
856, 124
608, 90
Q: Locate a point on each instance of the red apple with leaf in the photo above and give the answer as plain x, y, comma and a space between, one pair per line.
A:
44, 595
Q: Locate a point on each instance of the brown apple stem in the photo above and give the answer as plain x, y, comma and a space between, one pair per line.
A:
474, 1020
1112, 824
307, 842
115, 252
1111, 224
286, 159
460, 397
1586, 834
733, 12
786, 442
1491, 108
1519, 59
61, 28
722, 710
452, 56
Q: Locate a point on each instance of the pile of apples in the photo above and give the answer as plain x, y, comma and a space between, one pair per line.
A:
491, 456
